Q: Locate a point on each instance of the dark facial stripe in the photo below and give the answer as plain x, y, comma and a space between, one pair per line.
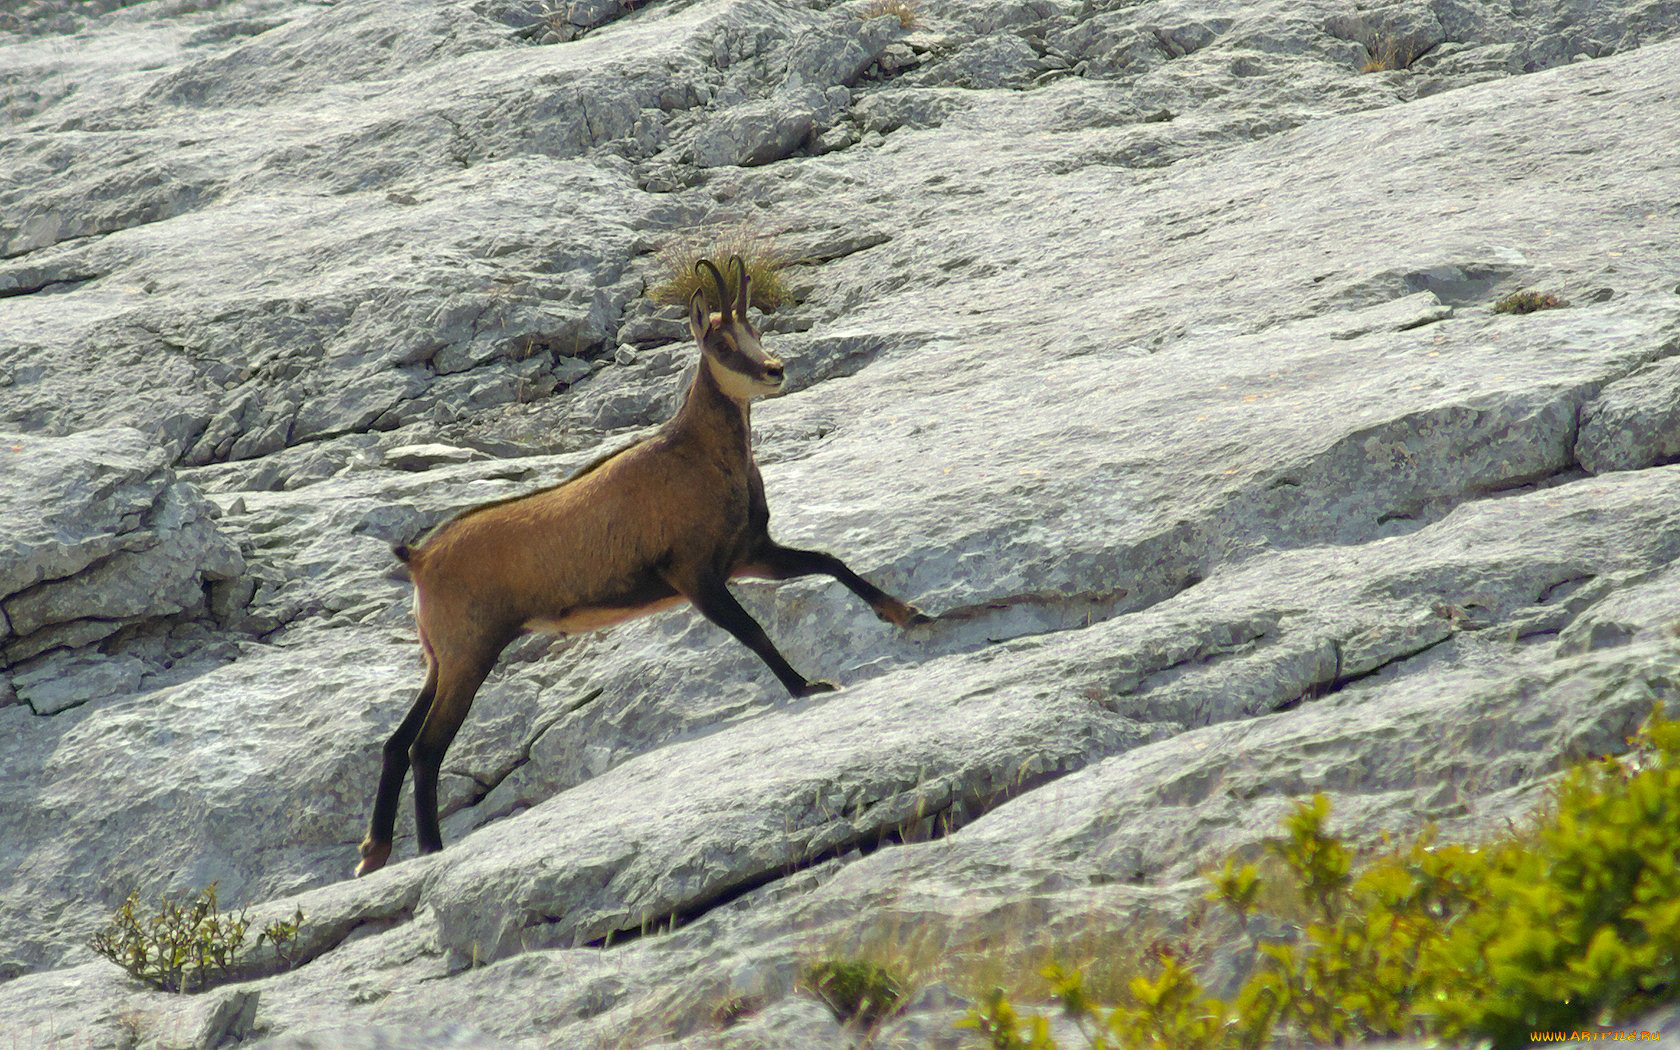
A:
728, 353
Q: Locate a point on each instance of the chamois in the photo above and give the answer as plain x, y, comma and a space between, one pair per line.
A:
667, 520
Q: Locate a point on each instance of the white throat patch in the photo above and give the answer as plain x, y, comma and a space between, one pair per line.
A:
736, 386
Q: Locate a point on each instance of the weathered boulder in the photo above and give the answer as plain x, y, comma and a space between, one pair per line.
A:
766, 131
1635, 422
96, 536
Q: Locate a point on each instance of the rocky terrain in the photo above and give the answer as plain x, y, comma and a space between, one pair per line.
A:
1149, 343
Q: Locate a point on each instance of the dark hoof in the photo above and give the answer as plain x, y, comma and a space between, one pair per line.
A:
917, 618
819, 686
904, 616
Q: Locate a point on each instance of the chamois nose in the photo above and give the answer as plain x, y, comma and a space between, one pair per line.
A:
773, 370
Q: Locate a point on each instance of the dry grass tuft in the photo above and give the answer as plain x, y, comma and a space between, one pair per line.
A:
908, 12
911, 951
735, 1009
1528, 302
764, 265
859, 992
1386, 54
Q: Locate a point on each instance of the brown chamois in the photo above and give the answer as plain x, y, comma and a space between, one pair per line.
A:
667, 520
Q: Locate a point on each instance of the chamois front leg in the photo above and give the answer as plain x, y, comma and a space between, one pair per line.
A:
716, 604
776, 562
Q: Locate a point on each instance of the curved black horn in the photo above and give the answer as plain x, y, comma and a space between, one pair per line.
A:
741, 293
722, 288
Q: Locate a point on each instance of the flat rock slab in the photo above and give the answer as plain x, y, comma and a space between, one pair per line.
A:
424, 457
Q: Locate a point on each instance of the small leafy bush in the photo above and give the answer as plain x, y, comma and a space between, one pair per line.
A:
908, 12
679, 281
855, 989
186, 945
1572, 923
1527, 303
282, 937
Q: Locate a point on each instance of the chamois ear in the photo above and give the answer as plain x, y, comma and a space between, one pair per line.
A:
699, 318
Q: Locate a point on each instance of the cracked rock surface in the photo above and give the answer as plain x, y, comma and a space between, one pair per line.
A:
98, 539
1152, 345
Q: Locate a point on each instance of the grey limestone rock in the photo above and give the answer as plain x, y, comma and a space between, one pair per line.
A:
99, 536
424, 457
1635, 422
758, 133
1149, 345
442, 1036
992, 62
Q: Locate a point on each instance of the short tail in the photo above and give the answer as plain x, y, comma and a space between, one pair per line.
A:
402, 551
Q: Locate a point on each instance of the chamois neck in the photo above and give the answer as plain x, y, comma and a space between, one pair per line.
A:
711, 417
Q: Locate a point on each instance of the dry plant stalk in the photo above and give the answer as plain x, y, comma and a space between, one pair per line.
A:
908, 12
1387, 54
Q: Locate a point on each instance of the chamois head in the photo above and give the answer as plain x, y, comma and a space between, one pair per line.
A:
729, 343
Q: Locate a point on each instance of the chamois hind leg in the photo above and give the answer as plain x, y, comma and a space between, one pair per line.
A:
716, 604
376, 847
458, 682
776, 562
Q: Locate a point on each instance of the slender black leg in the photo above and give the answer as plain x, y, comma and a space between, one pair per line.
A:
785, 563
376, 847
716, 604
456, 688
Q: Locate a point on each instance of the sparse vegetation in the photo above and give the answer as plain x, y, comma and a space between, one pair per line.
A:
1571, 923
557, 19
1387, 53
764, 265
1527, 303
282, 937
132, 1024
908, 12
857, 990
1111, 949
1007, 948
186, 945
735, 1009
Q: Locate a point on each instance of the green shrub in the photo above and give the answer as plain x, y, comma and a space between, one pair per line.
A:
282, 937
1573, 923
855, 989
1527, 303
186, 945
678, 281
